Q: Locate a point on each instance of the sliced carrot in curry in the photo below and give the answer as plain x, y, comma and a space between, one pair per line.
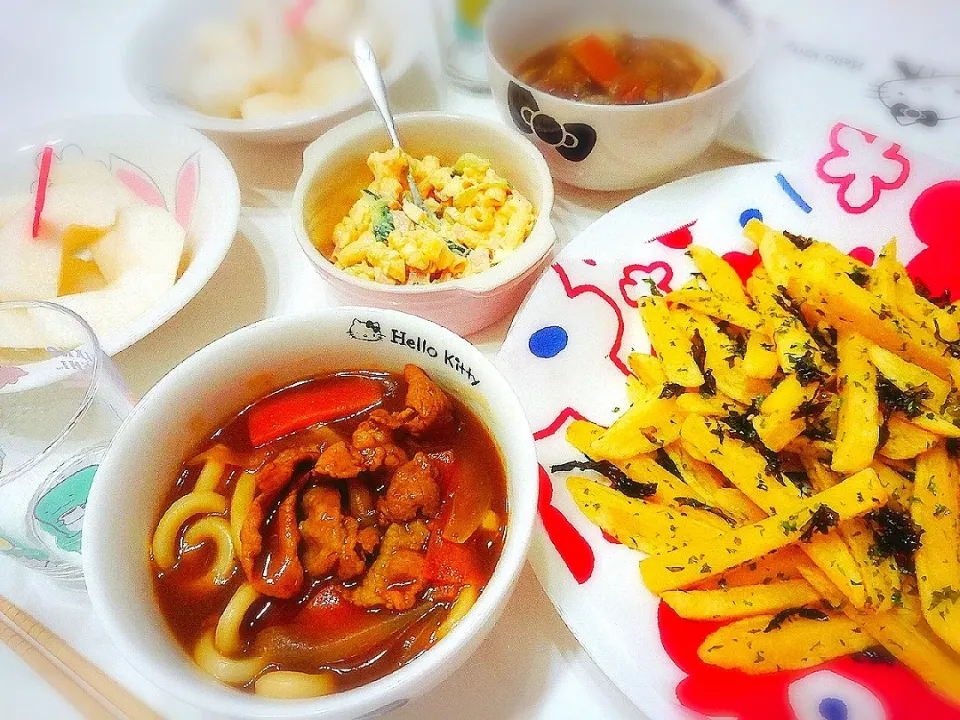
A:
298, 408
597, 58
330, 614
468, 496
449, 566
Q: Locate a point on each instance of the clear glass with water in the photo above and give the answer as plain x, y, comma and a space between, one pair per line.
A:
61, 402
460, 27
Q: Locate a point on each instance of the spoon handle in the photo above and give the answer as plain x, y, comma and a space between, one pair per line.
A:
366, 62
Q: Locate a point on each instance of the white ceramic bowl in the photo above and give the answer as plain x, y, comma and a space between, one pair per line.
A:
154, 71
465, 305
616, 147
165, 164
165, 428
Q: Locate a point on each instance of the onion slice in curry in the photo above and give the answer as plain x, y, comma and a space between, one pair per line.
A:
289, 644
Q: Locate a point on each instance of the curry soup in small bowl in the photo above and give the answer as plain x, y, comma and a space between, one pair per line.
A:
618, 94
334, 522
466, 256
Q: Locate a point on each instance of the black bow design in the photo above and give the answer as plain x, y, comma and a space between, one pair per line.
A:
906, 115
573, 141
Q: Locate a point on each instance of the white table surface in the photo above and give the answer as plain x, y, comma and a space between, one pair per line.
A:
62, 58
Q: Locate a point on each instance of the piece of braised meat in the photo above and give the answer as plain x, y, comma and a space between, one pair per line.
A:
279, 479
430, 404
413, 490
373, 446
334, 542
339, 461
396, 579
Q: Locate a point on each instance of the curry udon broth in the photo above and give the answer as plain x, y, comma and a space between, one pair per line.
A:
620, 68
330, 533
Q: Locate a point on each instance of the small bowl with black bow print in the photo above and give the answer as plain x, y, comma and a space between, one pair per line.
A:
644, 134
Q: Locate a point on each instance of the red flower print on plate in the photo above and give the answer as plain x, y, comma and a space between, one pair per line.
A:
634, 283
862, 166
935, 217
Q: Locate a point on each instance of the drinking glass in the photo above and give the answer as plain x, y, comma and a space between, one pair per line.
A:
460, 30
61, 401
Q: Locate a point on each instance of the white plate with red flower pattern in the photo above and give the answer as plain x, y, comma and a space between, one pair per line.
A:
566, 357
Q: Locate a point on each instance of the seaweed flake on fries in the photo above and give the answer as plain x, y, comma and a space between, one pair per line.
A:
789, 460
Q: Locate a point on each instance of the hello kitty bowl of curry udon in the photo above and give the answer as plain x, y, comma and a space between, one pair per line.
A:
584, 82
336, 177
149, 465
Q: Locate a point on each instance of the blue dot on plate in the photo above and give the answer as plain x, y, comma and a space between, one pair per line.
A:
750, 214
548, 342
832, 708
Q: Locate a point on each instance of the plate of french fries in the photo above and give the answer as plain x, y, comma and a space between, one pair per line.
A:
747, 414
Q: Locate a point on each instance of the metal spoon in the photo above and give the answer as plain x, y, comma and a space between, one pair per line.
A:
366, 61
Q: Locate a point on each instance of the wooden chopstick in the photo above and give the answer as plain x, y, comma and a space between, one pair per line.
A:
91, 691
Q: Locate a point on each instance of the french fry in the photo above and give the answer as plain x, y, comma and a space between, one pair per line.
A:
644, 427
720, 276
778, 424
937, 424
738, 602
702, 479
837, 259
798, 643
937, 321
707, 481
780, 257
846, 305
777, 567
671, 343
790, 337
641, 468
581, 435
881, 576
760, 359
640, 525
636, 390
722, 360
882, 282
677, 569
648, 369
741, 464
695, 403
719, 307
905, 440
934, 509
899, 487
858, 426
748, 471
645, 468
755, 230
909, 377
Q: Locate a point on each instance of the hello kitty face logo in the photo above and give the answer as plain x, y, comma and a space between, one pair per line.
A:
365, 330
921, 96
573, 141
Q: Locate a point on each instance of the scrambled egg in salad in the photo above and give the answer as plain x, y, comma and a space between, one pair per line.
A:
472, 220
